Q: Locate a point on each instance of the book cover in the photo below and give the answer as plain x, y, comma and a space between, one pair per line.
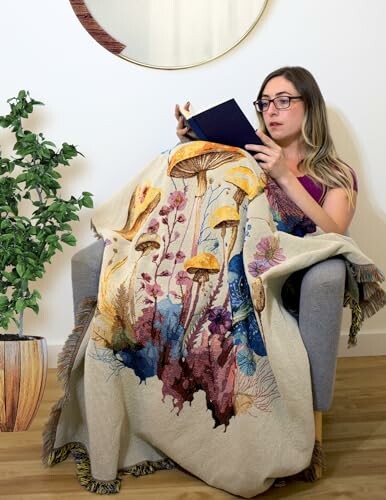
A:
224, 123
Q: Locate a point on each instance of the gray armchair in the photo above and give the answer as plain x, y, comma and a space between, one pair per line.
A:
319, 314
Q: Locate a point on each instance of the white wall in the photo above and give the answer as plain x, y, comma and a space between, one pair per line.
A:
121, 115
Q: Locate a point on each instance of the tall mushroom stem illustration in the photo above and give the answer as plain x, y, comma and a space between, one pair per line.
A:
224, 217
247, 184
194, 159
200, 266
145, 244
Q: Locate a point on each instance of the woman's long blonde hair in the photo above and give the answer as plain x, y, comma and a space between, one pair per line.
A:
321, 161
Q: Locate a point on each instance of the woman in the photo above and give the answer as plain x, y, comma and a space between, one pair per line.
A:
299, 156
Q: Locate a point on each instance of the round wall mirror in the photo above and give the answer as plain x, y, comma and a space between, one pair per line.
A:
169, 34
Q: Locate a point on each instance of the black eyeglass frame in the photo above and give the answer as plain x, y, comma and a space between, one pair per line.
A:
289, 97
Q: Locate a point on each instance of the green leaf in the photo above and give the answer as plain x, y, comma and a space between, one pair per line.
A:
20, 269
3, 303
87, 202
35, 308
20, 305
69, 239
10, 276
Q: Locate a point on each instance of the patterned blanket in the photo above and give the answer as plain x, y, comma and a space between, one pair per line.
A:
188, 357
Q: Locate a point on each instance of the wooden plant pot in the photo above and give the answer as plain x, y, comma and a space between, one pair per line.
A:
23, 375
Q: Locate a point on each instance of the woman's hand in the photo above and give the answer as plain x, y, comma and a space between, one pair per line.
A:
270, 157
184, 133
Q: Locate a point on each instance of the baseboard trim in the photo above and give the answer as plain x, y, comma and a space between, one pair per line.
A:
53, 351
369, 344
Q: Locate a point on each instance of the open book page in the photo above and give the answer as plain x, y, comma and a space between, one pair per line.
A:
192, 111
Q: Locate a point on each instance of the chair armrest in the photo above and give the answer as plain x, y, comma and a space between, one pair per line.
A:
85, 271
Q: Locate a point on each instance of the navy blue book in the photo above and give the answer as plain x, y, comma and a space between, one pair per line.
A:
224, 123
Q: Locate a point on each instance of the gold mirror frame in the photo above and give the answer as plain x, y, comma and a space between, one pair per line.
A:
114, 46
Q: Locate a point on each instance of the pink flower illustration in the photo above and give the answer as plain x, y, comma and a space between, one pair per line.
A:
169, 255
256, 268
146, 277
180, 256
154, 290
178, 200
181, 218
165, 210
182, 278
268, 254
268, 250
153, 226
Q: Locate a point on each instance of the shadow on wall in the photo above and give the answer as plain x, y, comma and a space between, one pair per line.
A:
368, 228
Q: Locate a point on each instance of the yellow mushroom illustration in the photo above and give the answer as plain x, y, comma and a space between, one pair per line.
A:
197, 157
143, 201
222, 218
245, 180
201, 266
147, 242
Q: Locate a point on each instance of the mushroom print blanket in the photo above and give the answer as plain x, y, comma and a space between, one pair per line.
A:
188, 358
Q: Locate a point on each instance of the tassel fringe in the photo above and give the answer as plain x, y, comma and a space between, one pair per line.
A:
367, 272
65, 363
97, 235
356, 320
70, 349
367, 299
83, 468
148, 467
318, 464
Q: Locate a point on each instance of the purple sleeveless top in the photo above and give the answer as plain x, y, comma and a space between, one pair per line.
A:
316, 190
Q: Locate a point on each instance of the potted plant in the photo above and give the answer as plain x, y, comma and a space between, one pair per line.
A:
34, 223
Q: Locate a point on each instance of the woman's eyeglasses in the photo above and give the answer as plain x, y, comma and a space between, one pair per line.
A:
280, 102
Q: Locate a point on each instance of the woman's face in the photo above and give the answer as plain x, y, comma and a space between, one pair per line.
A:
283, 125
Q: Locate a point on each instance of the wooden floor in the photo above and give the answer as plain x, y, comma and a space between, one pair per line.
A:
354, 443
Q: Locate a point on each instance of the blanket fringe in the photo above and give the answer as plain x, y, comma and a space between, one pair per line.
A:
148, 467
318, 464
365, 297
65, 363
367, 272
67, 356
97, 235
374, 302
83, 468
356, 320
